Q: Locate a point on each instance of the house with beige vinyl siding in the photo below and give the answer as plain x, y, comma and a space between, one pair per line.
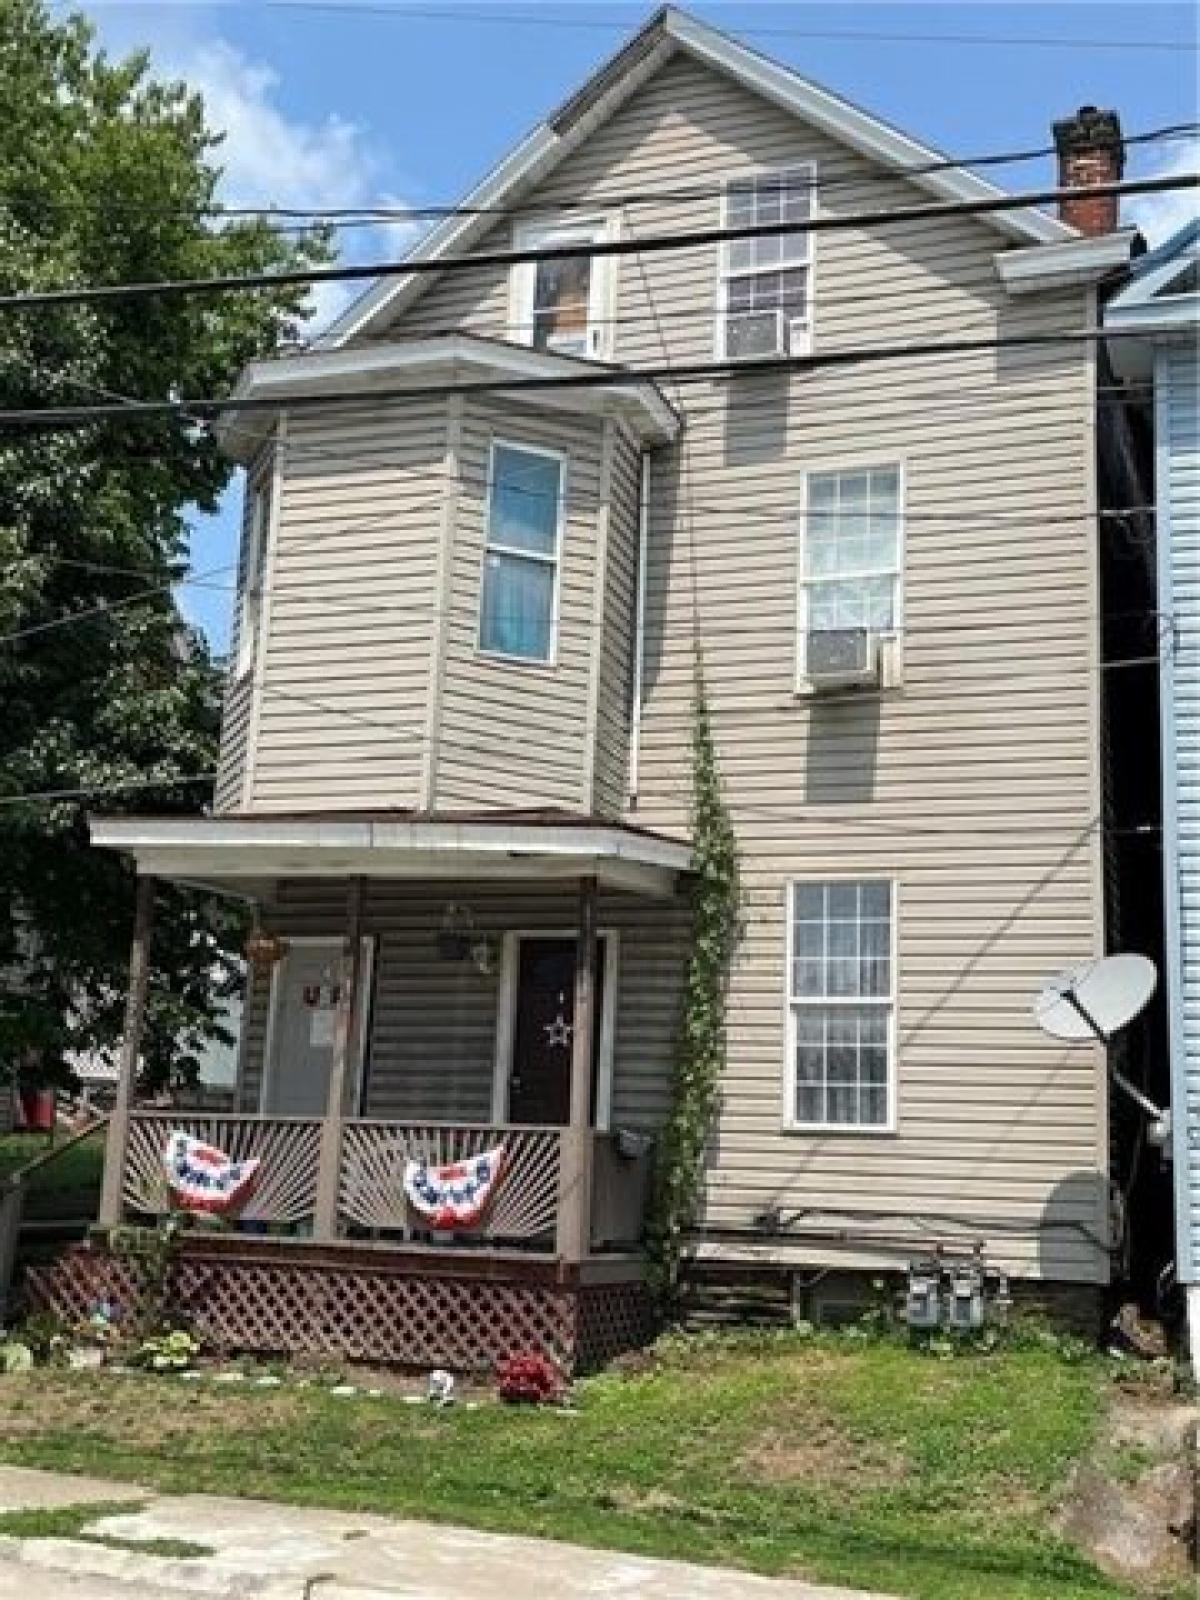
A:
456, 777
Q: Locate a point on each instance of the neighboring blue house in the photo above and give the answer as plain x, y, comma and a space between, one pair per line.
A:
1162, 297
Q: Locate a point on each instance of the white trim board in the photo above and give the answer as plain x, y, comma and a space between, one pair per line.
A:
668, 33
506, 1016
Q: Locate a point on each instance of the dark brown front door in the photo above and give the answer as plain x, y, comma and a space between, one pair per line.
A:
539, 1088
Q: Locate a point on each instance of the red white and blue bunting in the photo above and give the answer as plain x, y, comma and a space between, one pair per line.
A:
203, 1178
457, 1195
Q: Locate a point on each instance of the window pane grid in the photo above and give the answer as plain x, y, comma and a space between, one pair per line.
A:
771, 273
841, 999
851, 550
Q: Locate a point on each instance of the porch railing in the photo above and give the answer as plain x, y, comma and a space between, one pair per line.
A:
375, 1154
541, 1174
288, 1148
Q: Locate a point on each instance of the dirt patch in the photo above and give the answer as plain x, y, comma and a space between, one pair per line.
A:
824, 1458
1132, 1503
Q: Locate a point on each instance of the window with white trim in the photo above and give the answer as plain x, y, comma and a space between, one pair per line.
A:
850, 552
258, 528
519, 596
766, 283
841, 1004
559, 303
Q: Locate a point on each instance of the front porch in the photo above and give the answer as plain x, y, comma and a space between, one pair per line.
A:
519, 1001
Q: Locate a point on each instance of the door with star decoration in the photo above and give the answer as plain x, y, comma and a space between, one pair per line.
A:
539, 1087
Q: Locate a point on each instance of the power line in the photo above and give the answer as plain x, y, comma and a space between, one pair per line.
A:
844, 35
376, 215
594, 250
92, 789
58, 417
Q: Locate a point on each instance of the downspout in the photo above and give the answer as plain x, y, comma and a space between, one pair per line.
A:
639, 630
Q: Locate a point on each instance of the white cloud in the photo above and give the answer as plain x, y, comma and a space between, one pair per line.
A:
1160, 215
269, 157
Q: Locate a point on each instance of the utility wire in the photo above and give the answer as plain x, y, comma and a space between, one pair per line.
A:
593, 250
59, 417
88, 790
830, 176
545, 19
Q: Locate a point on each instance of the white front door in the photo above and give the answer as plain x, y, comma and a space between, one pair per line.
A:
304, 1000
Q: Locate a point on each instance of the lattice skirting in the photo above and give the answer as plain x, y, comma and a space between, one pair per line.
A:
416, 1320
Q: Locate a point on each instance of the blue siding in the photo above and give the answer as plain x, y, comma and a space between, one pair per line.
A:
1177, 387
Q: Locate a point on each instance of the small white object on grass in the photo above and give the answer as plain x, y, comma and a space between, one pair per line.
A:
441, 1387
344, 1389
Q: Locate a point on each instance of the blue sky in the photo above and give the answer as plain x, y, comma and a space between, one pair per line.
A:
328, 105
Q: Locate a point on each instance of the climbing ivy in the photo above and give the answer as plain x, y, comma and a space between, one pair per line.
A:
700, 1046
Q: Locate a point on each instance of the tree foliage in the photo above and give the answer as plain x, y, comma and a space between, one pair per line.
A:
700, 1046
107, 175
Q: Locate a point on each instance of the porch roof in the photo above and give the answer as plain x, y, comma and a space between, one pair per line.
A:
243, 852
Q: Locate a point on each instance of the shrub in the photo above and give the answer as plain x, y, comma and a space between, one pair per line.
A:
531, 1380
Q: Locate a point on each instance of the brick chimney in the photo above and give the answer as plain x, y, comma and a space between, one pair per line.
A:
1090, 151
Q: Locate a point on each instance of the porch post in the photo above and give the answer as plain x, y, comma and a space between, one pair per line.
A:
326, 1208
112, 1192
575, 1170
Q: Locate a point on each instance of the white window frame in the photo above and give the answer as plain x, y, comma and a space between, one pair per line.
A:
792, 1006
490, 547
843, 468
261, 492
802, 327
542, 233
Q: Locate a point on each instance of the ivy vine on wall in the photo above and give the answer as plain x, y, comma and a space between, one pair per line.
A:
700, 1046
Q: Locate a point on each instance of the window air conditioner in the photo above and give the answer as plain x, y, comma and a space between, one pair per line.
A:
756, 335
842, 658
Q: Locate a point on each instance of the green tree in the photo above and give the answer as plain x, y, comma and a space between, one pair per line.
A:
107, 175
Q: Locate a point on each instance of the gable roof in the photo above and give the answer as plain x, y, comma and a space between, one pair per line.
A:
1153, 280
670, 33
1150, 302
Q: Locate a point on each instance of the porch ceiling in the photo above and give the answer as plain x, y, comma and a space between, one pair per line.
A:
238, 854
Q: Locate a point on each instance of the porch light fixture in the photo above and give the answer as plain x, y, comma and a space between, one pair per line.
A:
264, 950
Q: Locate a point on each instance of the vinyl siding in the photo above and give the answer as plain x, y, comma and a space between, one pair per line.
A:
342, 713
614, 699
1178, 410
229, 791
434, 1021
976, 785
515, 733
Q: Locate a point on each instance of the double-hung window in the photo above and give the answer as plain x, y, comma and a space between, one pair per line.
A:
560, 302
766, 282
850, 553
519, 597
840, 1068
258, 528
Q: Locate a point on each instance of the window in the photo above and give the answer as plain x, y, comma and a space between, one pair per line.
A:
519, 598
258, 529
850, 552
560, 305
841, 1005
764, 276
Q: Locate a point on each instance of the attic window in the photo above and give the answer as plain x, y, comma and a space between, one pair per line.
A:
765, 292
559, 304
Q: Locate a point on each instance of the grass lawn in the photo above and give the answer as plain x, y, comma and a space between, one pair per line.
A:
867, 1464
75, 1174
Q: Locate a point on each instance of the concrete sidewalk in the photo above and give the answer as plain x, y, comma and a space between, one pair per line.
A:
292, 1553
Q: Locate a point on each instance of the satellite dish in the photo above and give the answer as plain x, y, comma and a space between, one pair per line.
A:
1096, 1000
